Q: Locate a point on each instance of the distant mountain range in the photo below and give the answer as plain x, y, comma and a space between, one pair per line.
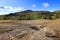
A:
27, 12
31, 15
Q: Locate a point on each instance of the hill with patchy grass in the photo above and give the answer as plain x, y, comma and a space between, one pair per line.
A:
31, 15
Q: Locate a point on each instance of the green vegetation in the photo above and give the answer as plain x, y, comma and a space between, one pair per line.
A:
31, 15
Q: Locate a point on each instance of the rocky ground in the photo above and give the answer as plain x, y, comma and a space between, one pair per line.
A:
30, 30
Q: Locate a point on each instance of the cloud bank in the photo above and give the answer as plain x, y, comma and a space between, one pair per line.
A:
9, 9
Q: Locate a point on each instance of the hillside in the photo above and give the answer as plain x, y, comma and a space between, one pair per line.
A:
31, 15
30, 25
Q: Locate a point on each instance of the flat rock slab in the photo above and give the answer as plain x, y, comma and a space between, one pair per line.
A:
22, 32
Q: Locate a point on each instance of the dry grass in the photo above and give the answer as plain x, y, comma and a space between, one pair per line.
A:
36, 22
6, 21
48, 22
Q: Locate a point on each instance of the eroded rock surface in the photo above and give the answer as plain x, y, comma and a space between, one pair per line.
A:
25, 32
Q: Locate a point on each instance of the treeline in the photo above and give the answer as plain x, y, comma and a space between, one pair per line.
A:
31, 15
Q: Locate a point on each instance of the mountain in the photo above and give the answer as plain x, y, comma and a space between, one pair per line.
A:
27, 12
31, 15
57, 11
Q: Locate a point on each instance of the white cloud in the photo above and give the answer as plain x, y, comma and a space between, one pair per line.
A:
34, 5
17, 9
45, 5
9, 9
3, 13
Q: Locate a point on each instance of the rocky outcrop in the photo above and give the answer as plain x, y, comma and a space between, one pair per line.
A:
28, 32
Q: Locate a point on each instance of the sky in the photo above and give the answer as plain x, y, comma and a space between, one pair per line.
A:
11, 6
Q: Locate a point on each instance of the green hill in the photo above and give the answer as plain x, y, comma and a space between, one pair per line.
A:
31, 15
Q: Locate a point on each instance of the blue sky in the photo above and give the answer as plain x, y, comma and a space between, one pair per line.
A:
11, 6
